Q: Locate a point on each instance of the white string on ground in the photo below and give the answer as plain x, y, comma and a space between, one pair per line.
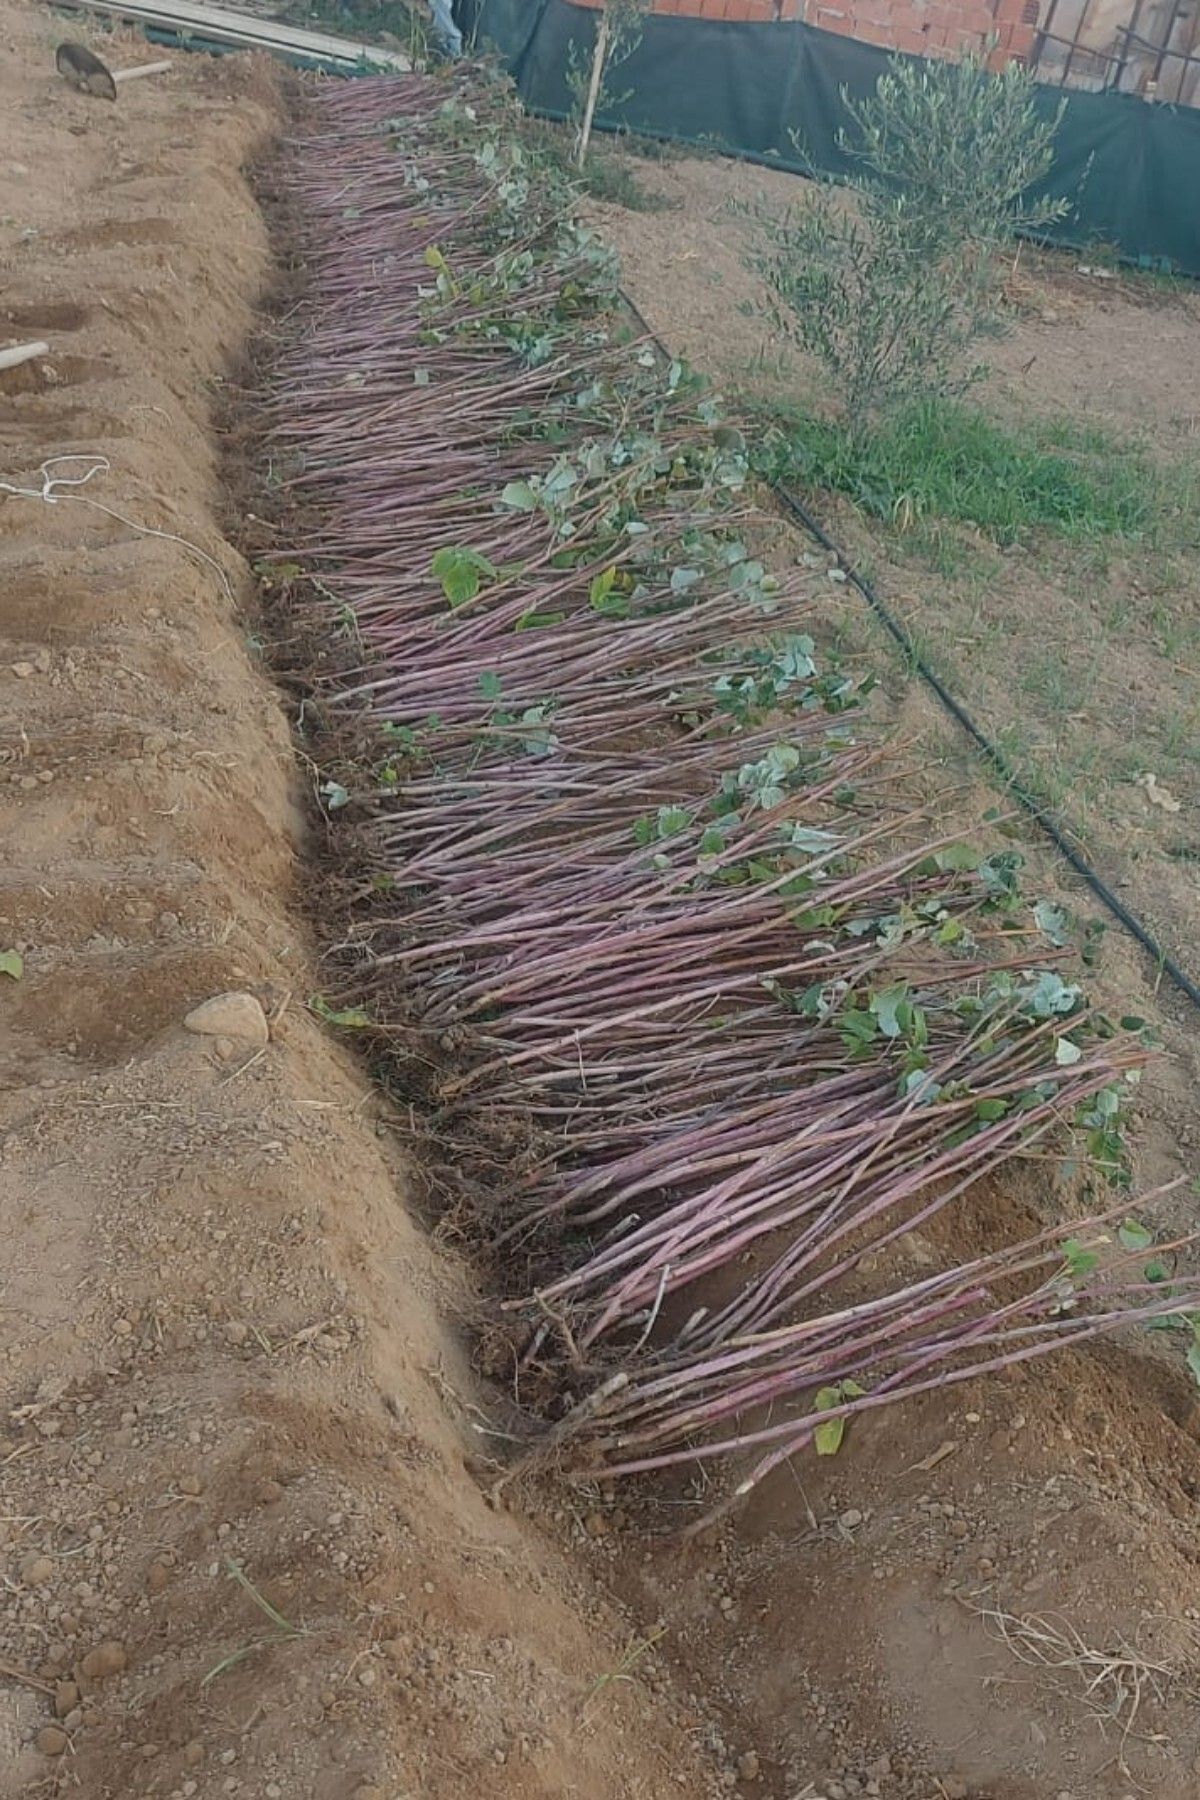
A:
100, 465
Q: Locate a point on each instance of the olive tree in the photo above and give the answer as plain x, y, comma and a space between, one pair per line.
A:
889, 280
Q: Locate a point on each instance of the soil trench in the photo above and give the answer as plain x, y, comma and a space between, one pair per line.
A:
241, 1551
243, 1544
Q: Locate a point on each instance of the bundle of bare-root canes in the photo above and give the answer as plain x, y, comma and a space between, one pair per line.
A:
763, 1027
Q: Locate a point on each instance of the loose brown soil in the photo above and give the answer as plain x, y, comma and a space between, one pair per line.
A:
226, 1345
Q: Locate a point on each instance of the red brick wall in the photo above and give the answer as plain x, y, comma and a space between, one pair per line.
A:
926, 27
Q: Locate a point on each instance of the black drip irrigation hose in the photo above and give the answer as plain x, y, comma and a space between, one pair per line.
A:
991, 751
994, 755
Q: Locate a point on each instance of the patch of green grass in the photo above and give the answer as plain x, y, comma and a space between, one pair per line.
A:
1180, 733
947, 460
1176, 635
608, 174
649, 149
956, 553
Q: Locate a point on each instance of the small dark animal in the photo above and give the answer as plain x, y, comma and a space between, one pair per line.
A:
76, 64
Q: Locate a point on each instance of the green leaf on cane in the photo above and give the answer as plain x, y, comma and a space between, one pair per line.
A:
829, 1434
1052, 922
858, 1029
350, 1018
604, 596
12, 963
1080, 1262
828, 1437
1133, 1235
532, 620
461, 571
519, 495
957, 857
889, 1008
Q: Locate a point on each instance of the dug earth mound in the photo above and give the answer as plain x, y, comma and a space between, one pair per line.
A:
243, 1544
241, 1552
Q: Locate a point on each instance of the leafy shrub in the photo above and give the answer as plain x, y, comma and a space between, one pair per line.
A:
890, 284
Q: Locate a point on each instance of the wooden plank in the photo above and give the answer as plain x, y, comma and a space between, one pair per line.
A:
243, 31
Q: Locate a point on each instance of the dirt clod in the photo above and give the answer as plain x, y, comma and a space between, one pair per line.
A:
52, 1740
107, 1659
66, 1698
236, 1016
